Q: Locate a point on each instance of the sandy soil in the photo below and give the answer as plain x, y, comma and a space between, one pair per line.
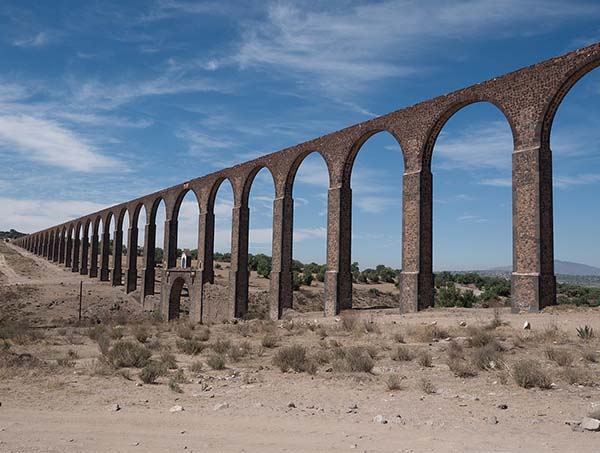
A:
52, 406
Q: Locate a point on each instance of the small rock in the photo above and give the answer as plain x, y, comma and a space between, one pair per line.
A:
259, 405
492, 420
176, 409
291, 404
135, 444
502, 406
434, 323
354, 446
221, 406
115, 408
590, 424
380, 419
463, 323
526, 326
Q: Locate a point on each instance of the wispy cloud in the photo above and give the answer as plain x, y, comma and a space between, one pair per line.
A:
48, 142
38, 40
468, 218
496, 182
566, 182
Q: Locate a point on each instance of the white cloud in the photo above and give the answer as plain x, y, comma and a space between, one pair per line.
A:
48, 142
39, 40
377, 204
484, 145
30, 216
496, 182
467, 218
202, 145
565, 182
345, 47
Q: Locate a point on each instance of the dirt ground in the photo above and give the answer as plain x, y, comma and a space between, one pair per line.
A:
58, 394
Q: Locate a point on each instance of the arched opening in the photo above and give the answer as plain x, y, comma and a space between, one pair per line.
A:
376, 182
107, 235
223, 205
187, 213
159, 218
575, 145
309, 191
472, 208
179, 300
141, 241
120, 243
260, 246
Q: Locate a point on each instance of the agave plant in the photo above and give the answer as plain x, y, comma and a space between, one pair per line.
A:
585, 332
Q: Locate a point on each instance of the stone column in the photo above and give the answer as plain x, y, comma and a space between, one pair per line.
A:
281, 290
104, 255
170, 244
238, 272
132, 243
149, 260
85, 249
416, 278
75, 259
69, 252
338, 278
51, 248
94, 256
533, 280
206, 243
56, 252
62, 248
117, 274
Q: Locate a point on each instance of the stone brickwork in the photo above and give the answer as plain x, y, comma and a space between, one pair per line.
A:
528, 98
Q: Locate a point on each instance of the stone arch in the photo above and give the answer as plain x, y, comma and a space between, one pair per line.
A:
249, 180
121, 216
179, 199
570, 80
293, 170
174, 310
357, 146
443, 118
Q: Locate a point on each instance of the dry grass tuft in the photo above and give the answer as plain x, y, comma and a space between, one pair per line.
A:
427, 334
128, 354
427, 386
295, 358
579, 376
402, 354
529, 373
487, 357
424, 359
393, 382
562, 357
216, 361
193, 346
589, 355
269, 341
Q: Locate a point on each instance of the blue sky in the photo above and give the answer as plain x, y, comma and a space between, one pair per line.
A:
101, 102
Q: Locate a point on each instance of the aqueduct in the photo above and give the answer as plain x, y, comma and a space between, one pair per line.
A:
528, 98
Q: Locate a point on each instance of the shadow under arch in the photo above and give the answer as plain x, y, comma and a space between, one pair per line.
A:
179, 289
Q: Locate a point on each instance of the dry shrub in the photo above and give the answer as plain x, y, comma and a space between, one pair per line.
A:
427, 386
398, 337
529, 373
550, 334
141, 334
371, 327
269, 341
348, 321
393, 382
402, 354
295, 358
128, 354
424, 359
168, 360
116, 333
193, 346
196, 366
153, 344
175, 387
479, 337
562, 357
590, 356
185, 331
355, 359
96, 332
579, 376
460, 367
202, 333
151, 372
454, 350
321, 356
100, 368
488, 356
427, 334
238, 351
221, 346
179, 377
216, 361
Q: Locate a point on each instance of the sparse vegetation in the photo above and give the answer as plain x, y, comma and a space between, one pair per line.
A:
562, 357
427, 386
127, 354
193, 346
393, 382
216, 361
529, 373
402, 354
586, 333
424, 359
151, 372
141, 334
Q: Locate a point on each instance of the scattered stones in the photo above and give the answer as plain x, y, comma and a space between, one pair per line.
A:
380, 419
590, 424
221, 406
176, 409
502, 406
527, 326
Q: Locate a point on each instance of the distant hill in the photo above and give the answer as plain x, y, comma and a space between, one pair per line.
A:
12, 234
562, 268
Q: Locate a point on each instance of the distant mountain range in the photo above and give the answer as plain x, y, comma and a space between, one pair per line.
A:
12, 234
562, 268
